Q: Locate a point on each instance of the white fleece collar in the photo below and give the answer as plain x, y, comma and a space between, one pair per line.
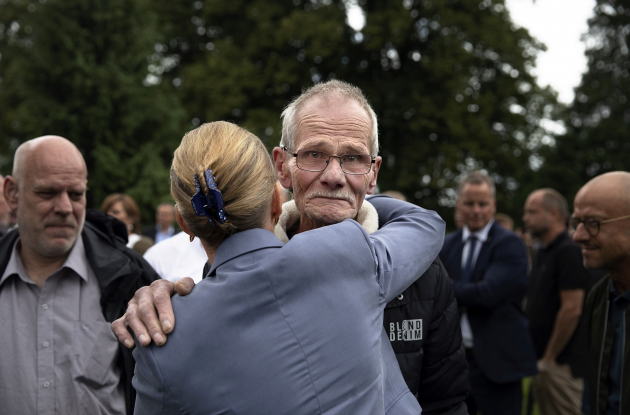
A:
367, 217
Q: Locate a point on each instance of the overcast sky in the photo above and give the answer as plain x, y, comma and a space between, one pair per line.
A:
559, 24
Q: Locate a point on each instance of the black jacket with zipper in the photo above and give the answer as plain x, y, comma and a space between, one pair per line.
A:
600, 342
119, 270
424, 330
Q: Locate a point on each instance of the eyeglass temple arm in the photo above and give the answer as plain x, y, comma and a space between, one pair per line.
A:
614, 219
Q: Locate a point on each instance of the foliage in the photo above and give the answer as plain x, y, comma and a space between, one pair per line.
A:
452, 83
76, 69
449, 79
245, 60
598, 121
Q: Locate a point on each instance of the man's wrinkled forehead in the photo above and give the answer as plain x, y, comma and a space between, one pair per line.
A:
610, 191
49, 155
336, 116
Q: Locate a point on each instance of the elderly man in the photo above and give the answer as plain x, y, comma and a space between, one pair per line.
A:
601, 220
488, 265
64, 276
557, 285
327, 126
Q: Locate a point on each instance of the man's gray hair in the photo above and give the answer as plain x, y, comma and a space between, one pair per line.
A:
477, 177
326, 90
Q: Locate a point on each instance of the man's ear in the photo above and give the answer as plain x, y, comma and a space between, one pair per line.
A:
276, 208
375, 168
182, 224
281, 162
10, 191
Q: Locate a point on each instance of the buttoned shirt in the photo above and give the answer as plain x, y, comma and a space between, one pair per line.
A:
482, 236
57, 352
161, 236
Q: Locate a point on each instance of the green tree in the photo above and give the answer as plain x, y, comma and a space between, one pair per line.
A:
449, 79
78, 69
598, 121
245, 60
451, 82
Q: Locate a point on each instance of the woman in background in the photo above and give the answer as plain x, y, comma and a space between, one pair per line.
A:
124, 208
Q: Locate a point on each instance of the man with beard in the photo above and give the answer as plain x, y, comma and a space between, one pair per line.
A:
601, 220
64, 276
329, 124
557, 286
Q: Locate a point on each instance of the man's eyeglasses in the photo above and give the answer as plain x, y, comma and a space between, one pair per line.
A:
315, 160
592, 225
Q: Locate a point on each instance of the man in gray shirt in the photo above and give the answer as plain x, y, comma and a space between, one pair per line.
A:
62, 279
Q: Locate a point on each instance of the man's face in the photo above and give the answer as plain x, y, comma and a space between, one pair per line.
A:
610, 248
536, 218
164, 216
476, 205
336, 126
51, 202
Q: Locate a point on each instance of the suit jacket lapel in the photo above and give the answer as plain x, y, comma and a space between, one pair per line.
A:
456, 258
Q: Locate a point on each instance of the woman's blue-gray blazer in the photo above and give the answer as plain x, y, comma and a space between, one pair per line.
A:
295, 328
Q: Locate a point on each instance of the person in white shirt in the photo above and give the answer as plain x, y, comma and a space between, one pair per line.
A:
177, 257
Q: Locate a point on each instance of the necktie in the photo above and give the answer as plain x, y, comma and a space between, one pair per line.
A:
468, 269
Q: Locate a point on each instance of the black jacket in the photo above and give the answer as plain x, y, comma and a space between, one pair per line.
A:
424, 330
119, 270
600, 342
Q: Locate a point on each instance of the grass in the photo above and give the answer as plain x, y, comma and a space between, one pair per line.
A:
526, 386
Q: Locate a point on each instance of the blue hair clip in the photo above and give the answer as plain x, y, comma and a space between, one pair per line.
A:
210, 205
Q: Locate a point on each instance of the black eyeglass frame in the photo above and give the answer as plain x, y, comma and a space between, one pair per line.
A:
372, 161
575, 222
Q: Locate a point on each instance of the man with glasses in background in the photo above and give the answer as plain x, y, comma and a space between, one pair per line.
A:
601, 221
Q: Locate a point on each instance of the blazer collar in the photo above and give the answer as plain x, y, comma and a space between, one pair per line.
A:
481, 234
241, 243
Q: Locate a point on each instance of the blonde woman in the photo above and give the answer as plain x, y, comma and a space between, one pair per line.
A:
262, 333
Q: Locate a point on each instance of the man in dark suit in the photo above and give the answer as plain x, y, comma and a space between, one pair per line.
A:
488, 265
164, 219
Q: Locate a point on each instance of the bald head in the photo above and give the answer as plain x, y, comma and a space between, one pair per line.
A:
46, 149
602, 207
47, 191
610, 191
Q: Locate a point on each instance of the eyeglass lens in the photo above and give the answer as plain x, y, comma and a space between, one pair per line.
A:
591, 225
318, 160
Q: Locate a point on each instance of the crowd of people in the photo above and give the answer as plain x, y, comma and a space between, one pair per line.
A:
287, 306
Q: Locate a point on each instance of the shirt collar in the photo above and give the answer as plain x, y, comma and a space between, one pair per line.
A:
557, 241
481, 234
76, 261
616, 297
169, 231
